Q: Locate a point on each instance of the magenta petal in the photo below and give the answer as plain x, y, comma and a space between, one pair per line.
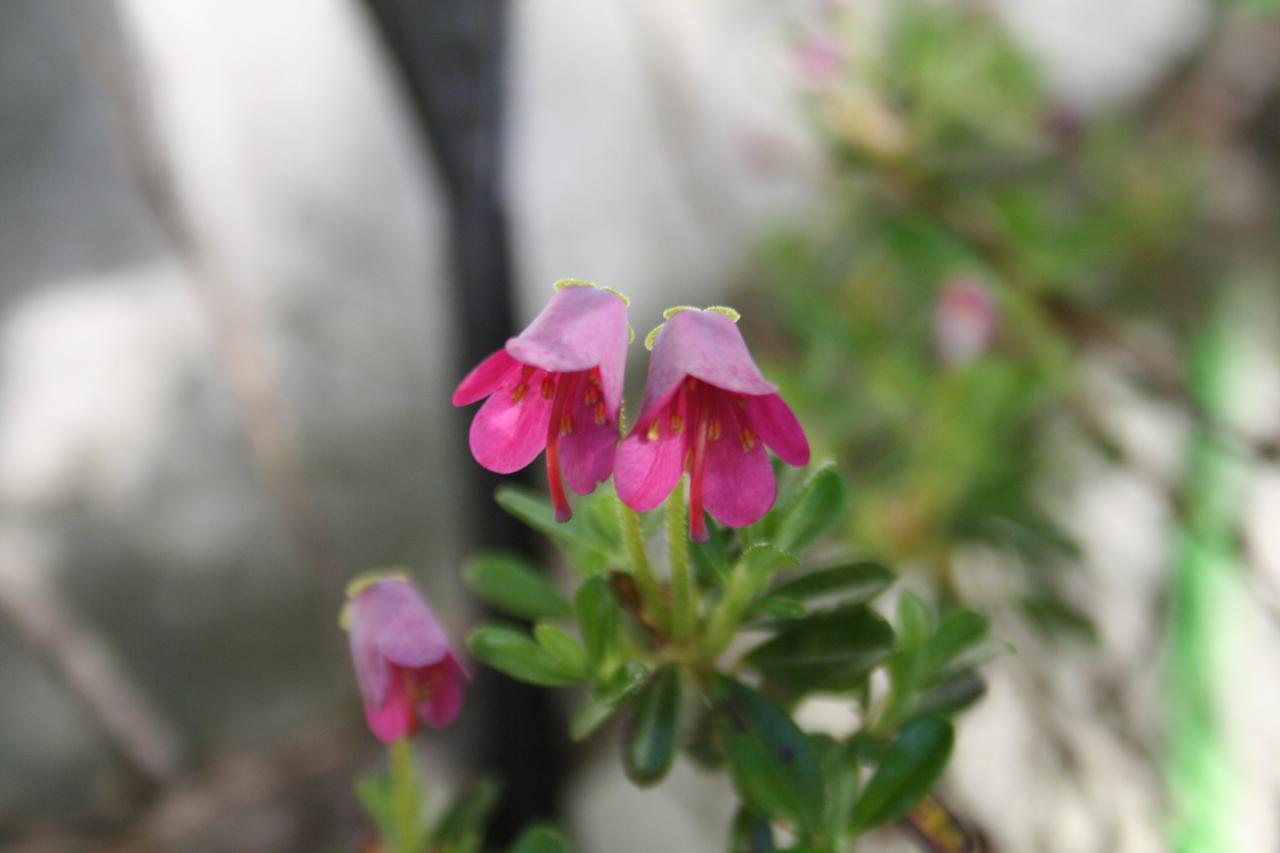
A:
494, 372
705, 345
587, 452
581, 328
408, 633
738, 483
509, 433
395, 717
645, 471
445, 701
777, 426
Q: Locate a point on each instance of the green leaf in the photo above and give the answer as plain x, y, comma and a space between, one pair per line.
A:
914, 622
375, 793
600, 620
461, 828
649, 745
909, 770
513, 653
958, 632
811, 512
830, 652
586, 540
567, 651
541, 839
831, 587
773, 767
951, 694
625, 682
513, 586
750, 834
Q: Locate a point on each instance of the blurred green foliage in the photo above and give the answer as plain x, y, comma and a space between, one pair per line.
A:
948, 163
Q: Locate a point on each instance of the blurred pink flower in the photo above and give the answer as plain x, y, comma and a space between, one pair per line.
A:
820, 59
405, 666
707, 410
556, 386
964, 320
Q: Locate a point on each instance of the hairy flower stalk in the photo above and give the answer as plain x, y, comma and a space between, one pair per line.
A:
557, 386
707, 410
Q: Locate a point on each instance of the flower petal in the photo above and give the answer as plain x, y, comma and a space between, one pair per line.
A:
372, 672
705, 345
496, 371
587, 452
777, 426
738, 485
445, 701
580, 328
645, 470
510, 430
395, 717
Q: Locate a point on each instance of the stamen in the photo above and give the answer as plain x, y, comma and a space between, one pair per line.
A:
741, 401
714, 430
599, 414
591, 395
677, 423
653, 431
548, 388
566, 424
748, 440
526, 370
688, 459
518, 392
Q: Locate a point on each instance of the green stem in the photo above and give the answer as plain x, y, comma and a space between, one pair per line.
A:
727, 615
406, 798
683, 595
646, 582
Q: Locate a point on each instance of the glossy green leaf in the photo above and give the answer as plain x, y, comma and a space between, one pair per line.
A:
625, 682
946, 697
462, 827
541, 839
773, 767
600, 620
832, 587
958, 632
908, 770
649, 745
513, 586
830, 652
811, 512
562, 646
750, 833
513, 653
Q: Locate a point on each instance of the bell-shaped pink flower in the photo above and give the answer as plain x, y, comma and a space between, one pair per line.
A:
557, 385
707, 410
405, 666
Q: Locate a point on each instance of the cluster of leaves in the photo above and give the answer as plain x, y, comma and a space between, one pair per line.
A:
715, 657
949, 161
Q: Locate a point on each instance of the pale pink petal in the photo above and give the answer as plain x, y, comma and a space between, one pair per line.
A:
509, 433
580, 328
738, 485
442, 707
407, 632
777, 426
646, 471
496, 371
705, 345
372, 672
395, 717
587, 452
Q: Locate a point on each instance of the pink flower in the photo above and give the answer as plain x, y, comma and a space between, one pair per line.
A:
557, 385
964, 321
707, 410
405, 667
820, 60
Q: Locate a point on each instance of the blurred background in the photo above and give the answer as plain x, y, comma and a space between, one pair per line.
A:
1015, 263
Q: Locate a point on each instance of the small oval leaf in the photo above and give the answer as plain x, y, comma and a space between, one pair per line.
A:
513, 586
832, 651
908, 770
513, 653
833, 587
811, 512
600, 620
649, 745
541, 839
567, 651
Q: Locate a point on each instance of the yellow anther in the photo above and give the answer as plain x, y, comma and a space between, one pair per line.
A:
688, 459
518, 392
677, 423
591, 395
548, 388
748, 439
599, 414
526, 371
566, 424
652, 432
714, 430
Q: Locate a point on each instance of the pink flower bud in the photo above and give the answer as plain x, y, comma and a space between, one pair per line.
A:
964, 321
405, 666
707, 410
556, 386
